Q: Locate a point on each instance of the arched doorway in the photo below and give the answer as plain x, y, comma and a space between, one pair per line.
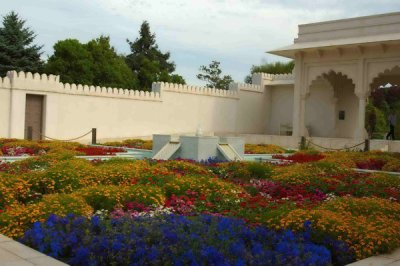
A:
384, 99
331, 108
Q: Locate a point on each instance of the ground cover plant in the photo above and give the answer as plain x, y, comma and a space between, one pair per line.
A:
15, 147
132, 143
312, 208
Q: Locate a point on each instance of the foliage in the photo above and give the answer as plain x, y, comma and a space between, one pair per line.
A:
171, 239
263, 149
376, 124
148, 63
271, 68
212, 75
17, 51
93, 63
382, 100
132, 143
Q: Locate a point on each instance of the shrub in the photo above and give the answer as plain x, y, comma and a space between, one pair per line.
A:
242, 171
259, 170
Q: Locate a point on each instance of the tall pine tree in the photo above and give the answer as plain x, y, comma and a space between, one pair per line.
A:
148, 62
17, 51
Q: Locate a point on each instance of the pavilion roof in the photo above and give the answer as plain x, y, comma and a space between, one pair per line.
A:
290, 51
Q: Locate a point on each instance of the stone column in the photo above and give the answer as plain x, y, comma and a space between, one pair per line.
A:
336, 116
360, 132
297, 105
303, 129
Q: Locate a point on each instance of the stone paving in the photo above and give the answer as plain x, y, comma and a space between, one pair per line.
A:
392, 259
13, 253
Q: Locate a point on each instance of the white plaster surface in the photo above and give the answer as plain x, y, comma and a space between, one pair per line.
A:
299, 100
72, 110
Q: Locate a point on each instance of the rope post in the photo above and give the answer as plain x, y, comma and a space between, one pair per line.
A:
94, 136
29, 133
303, 143
367, 145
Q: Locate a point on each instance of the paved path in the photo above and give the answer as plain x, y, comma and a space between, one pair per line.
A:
392, 259
13, 253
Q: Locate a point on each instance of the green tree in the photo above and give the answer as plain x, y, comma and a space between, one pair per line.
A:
212, 75
271, 68
148, 62
94, 63
109, 68
17, 51
72, 61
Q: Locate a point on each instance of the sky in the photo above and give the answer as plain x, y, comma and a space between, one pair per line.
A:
237, 33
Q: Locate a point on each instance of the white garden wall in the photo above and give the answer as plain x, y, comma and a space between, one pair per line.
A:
280, 109
71, 110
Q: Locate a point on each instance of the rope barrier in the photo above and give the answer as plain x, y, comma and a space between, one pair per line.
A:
333, 149
65, 140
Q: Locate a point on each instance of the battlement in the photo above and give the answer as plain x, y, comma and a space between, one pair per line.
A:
273, 79
51, 83
246, 87
14, 75
5, 82
179, 88
268, 76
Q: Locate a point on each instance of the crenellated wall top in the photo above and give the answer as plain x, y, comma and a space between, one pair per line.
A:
5, 82
51, 83
273, 79
246, 87
179, 88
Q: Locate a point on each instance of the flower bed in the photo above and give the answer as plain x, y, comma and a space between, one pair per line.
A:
132, 143
345, 208
171, 240
263, 149
98, 151
301, 157
13, 147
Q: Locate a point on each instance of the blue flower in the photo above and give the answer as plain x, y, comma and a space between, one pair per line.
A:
95, 221
116, 245
179, 240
